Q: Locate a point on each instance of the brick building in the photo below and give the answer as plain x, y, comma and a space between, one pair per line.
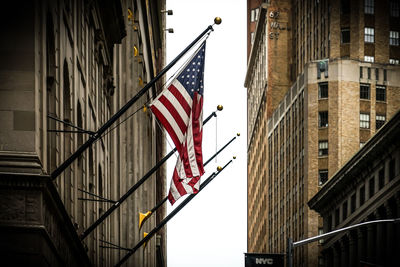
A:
370, 190
67, 67
322, 77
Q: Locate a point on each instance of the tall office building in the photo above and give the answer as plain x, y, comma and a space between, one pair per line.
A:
67, 67
322, 78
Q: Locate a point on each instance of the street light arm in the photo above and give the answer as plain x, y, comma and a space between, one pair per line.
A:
334, 232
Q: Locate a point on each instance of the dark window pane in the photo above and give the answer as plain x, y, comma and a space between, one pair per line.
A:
364, 91
362, 195
380, 93
381, 178
371, 187
323, 119
323, 90
345, 35
322, 176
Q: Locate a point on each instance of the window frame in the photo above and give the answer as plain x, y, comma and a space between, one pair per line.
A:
325, 179
323, 148
365, 94
382, 120
369, 7
382, 93
369, 59
365, 124
394, 8
369, 35
323, 90
321, 119
394, 38
347, 31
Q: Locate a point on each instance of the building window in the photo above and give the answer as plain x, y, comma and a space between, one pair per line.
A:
381, 178
364, 120
323, 119
320, 232
323, 148
369, 58
371, 187
344, 211
369, 6
394, 8
394, 38
369, 73
353, 203
369, 35
380, 93
322, 176
345, 6
254, 14
364, 91
394, 61
380, 121
323, 90
377, 74
252, 37
337, 218
361, 72
345, 35
391, 169
329, 223
362, 195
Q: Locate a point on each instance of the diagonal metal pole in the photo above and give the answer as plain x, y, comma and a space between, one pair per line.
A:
157, 206
171, 215
133, 188
119, 113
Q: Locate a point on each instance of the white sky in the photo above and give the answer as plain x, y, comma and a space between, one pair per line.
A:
211, 229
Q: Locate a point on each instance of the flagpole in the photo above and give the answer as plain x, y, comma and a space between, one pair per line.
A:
157, 206
119, 113
171, 215
135, 186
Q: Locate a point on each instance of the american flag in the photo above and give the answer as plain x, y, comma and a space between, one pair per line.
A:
179, 108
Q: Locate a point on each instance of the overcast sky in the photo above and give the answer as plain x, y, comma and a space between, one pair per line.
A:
211, 229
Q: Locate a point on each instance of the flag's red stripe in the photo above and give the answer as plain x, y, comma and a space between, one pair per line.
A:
178, 95
175, 114
167, 127
178, 183
197, 133
193, 182
171, 198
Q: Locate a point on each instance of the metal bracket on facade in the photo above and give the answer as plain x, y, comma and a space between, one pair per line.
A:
100, 198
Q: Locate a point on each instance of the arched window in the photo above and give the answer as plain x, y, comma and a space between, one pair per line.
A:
68, 185
51, 93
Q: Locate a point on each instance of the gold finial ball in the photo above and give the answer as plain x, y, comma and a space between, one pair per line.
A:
234, 157
219, 168
220, 107
217, 20
238, 134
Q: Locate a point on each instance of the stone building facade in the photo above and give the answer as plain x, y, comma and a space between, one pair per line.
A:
369, 186
317, 91
68, 66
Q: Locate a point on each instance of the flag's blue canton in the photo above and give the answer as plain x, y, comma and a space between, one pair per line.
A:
191, 76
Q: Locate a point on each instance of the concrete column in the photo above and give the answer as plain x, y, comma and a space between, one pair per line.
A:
344, 253
361, 244
397, 230
371, 241
380, 239
353, 249
336, 255
390, 239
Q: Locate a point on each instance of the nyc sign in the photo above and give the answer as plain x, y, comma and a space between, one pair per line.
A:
263, 260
